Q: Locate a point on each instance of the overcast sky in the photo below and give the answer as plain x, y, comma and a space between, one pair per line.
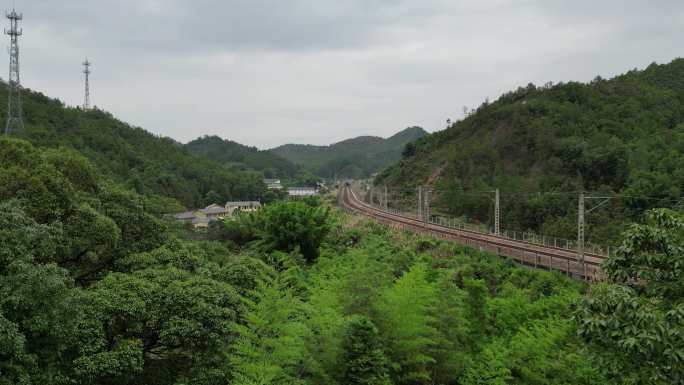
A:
269, 72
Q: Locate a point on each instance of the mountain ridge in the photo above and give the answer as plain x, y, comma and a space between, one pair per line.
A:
230, 152
355, 157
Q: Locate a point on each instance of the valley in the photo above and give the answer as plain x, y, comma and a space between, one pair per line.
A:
537, 239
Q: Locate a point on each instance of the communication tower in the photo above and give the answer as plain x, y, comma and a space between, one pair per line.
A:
86, 71
15, 120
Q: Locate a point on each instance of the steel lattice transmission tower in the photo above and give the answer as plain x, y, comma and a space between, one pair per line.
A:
86, 71
15, 120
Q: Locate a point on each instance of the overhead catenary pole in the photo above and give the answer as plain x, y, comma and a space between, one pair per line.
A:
580, 233
581, 224
497, 212
420, 202
427, 206
15, 120
386, 205
371, 195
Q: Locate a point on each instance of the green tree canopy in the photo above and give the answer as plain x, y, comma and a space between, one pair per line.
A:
635, 322
363, 358
293, 226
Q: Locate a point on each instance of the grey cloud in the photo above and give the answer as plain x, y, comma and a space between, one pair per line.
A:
207, 25
266, 72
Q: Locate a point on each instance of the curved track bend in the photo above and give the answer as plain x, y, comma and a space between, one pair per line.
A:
529, 254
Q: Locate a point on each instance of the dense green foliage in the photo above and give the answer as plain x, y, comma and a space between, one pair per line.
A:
299, 226
635, 323
89, 223
363, 358
95, 290
353, 158
250, 158
148, 164
541, 145
380, 307
295, 226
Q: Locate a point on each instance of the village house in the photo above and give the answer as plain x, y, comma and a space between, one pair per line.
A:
202, 217
216, 212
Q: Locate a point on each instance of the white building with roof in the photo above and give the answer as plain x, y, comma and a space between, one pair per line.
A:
273, 184
244, 206
296, 192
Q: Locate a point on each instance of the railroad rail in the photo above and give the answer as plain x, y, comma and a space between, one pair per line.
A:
529, 254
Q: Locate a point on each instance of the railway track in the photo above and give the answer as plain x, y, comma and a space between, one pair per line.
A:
529, 254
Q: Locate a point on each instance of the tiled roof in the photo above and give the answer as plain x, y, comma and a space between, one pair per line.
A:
185, 215
215, 210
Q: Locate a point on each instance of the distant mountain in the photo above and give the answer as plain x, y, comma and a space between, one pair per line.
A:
352, 158
244, 157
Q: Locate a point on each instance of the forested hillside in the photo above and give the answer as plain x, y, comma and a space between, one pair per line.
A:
353, 158
146, 163
95, 290
233, 153
542, 145
238, 156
